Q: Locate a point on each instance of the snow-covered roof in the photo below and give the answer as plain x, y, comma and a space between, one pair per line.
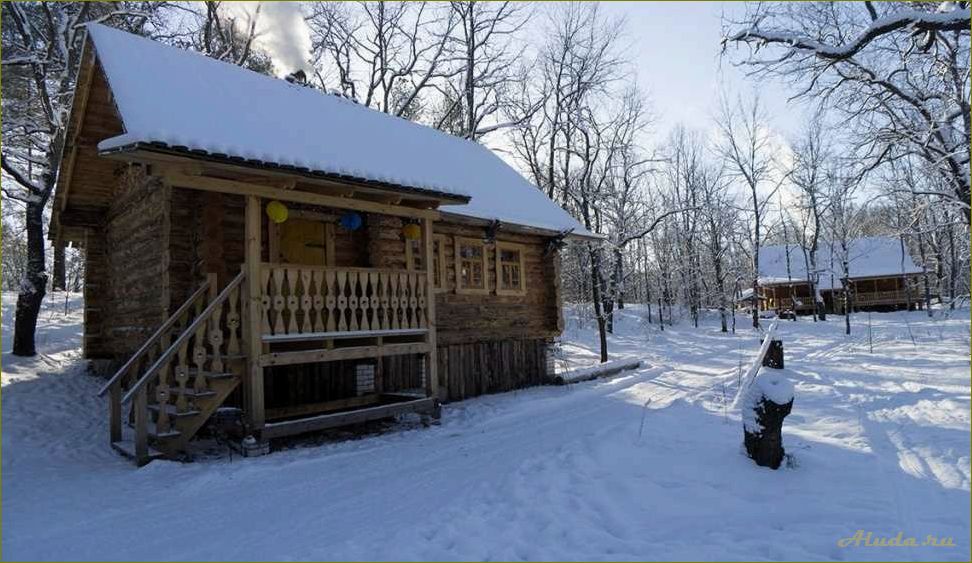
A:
174, 98
867, 257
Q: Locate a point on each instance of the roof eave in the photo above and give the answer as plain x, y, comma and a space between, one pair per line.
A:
164, 148
568, 234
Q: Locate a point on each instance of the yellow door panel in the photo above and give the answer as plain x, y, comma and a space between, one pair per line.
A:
302, 241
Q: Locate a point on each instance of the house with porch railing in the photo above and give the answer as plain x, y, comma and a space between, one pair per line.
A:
260, 247
881, 275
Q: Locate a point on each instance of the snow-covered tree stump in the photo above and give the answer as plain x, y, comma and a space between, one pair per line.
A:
768, 400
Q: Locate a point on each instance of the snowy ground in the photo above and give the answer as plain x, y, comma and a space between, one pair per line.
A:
880, 442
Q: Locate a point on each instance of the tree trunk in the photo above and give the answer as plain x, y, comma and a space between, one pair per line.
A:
721, 290
34, 285
924, 271
598, 303
952, 265
847, 301
470, 74
755, 302
59, 279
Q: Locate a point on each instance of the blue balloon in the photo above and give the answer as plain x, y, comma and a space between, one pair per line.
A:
351, 221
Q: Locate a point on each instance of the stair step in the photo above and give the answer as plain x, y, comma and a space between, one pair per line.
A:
154, 433
190, 392
207, 374
172, 411
228, 357
127, 449
213, 374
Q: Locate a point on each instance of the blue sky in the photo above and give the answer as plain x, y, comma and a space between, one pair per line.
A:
675, 47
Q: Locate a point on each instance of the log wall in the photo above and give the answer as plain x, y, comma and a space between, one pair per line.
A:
488, 343
127, 268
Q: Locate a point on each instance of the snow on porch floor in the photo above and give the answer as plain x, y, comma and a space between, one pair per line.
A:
880, 443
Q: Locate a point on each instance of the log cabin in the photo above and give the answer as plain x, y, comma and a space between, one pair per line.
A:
882, 277
259, 247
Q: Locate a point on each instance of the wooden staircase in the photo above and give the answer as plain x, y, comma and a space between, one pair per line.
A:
180, 376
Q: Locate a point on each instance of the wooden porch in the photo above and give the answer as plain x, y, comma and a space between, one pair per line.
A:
222, 343
888, 292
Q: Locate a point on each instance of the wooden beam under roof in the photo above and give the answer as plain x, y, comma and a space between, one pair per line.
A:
247, 173
222, 185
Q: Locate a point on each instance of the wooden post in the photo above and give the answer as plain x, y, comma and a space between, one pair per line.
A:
254, 343
432, 357
114, 409
211, 280
141, 427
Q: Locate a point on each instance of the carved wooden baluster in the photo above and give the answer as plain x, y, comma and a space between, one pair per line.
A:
293, 301
279, 301
353, 299
162, 395
200, 305
216, 339
385, 301
402, 309
266, 301
365, 302
413, 299
317, 300
306, 301
373, 299
233, 322
409, 304
342, 300
393, 283
182, 375
330, 299
199, 357
422, 284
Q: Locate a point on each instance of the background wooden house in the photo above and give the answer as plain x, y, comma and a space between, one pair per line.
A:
882, 277
411, 266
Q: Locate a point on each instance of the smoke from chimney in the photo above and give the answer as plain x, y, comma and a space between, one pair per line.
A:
280, 31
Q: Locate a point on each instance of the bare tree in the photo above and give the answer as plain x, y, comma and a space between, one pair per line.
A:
42, 50
483, 51
898, 70
220, 30
811, 153
386, 55
745, 147
719, 219
845, 221
579, 61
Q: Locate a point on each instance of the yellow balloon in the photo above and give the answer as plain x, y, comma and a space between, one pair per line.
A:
412, 231
276, 211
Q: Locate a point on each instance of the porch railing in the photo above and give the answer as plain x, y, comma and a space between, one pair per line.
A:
879, 297
311, 300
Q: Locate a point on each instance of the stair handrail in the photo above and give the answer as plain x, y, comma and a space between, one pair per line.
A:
186, 334
203, 289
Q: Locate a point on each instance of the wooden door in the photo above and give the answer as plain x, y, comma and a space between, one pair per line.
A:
303, 241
